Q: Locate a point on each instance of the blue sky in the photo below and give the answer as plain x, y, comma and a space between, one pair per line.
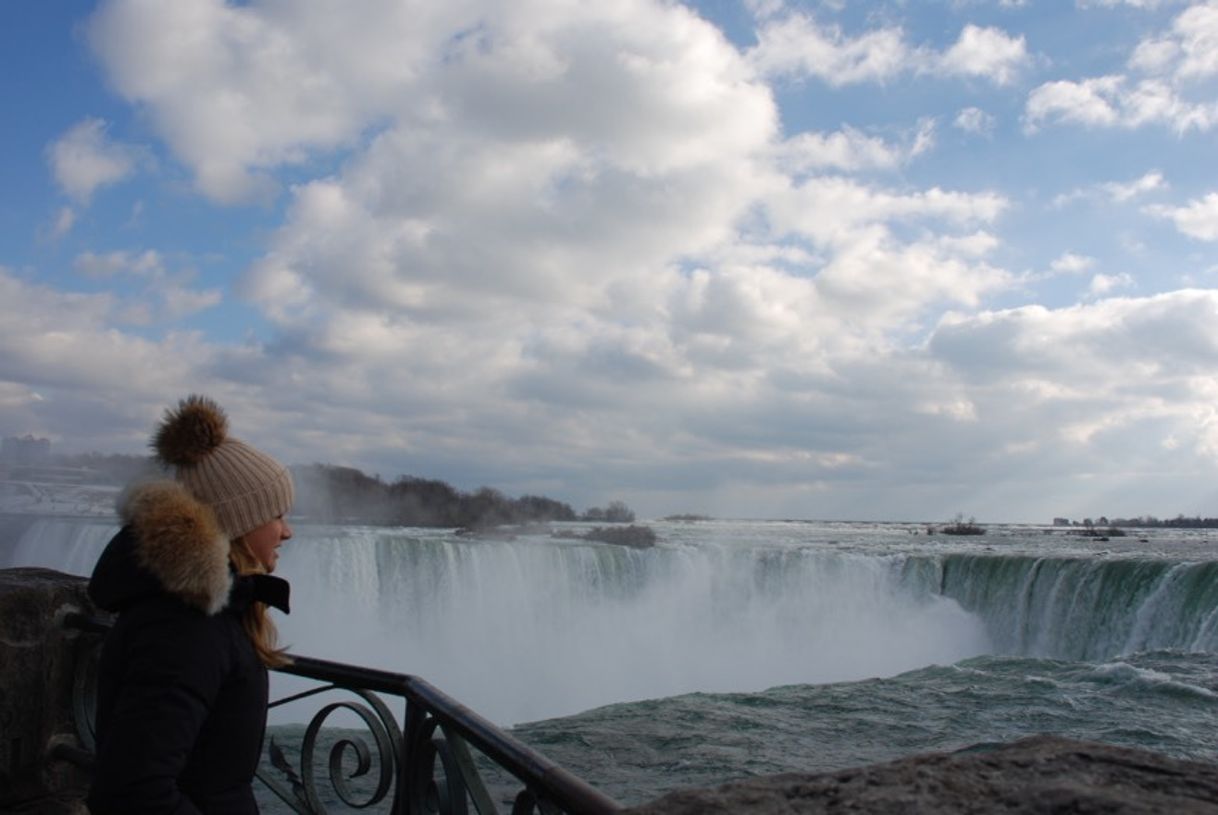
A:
883, 260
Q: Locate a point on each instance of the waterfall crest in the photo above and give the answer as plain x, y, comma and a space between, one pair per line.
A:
1087, 608
531, 627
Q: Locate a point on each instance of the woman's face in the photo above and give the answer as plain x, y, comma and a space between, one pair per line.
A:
264, 541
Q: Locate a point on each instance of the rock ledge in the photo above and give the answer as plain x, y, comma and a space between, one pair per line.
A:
1040, 774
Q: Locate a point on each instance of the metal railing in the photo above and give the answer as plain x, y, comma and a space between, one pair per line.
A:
427, 766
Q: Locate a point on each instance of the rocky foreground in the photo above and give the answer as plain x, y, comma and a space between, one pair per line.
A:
1041, 774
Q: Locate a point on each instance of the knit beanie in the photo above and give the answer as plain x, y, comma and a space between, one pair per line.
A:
244, 487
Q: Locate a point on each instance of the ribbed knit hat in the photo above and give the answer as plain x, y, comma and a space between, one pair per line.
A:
244, 487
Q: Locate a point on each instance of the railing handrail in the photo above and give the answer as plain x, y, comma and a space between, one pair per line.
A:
566, 789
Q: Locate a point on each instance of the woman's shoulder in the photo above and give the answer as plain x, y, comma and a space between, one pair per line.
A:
170, 544
164, 616
174, 639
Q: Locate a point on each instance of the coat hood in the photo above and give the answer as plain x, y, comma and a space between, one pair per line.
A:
170, 543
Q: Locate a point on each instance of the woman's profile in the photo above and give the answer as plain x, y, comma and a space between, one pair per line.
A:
182, 688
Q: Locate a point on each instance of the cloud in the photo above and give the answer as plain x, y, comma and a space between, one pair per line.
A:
1140, 4
84, 159
162, 296
143, 264
1198, 219
1089, 102
1120, 373
988, 53
797, 45
851, 150
1166, 336
1118, 192
1070, 263
573, 205
65, 219
975, 120
1110, 101
498, 217
237, 90
67, 340
1102, 284
1187, 52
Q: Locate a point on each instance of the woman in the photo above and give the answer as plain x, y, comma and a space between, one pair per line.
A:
182, 688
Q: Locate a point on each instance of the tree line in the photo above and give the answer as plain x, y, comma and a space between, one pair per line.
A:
1147, 521
326, 493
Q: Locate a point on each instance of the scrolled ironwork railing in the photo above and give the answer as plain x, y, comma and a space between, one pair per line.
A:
425, 767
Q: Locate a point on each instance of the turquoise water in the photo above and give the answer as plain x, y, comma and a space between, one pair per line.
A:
1162, 700
740, 648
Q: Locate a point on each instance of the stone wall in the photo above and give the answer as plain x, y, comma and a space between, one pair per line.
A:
37, 667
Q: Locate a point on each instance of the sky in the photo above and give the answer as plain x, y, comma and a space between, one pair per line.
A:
745, 258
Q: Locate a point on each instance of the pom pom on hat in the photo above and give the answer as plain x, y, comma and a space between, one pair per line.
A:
188, 434
244, 487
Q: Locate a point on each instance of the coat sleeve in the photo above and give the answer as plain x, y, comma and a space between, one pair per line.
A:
171, 673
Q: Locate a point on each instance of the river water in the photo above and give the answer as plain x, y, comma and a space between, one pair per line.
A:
743, 647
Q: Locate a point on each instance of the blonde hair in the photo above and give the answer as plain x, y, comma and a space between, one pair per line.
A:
257, 622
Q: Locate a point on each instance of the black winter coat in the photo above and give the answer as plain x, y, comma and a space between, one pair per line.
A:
182, 695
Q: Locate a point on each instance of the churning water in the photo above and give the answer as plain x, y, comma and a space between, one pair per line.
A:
734, 648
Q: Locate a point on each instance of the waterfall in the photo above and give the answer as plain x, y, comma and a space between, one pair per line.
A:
531, 627
534, 628
1087, 608
70, 545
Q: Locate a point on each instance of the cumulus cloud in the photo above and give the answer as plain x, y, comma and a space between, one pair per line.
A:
85, 159
989, 53
162, 296
1103, 284
109, 264
975, 120
585, 231
519, 209
1198, 219
799, 46
1111, 101
66, 340
1071, 263
1188, 51
1168, 335
1169, 61
1118, 192
1095, 374
850, 149
1138, 4
1121, 193
240, 89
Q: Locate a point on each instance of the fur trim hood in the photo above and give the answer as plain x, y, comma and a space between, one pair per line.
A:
170, 543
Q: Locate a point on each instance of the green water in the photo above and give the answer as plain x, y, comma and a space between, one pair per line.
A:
1165, 701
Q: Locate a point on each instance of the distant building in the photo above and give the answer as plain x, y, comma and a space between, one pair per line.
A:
25, 450
1061, 521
